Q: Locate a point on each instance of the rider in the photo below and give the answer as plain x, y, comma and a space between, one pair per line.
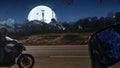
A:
3, 33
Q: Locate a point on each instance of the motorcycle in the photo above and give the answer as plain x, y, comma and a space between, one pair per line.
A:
14, 55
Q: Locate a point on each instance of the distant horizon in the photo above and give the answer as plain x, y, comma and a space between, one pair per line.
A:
57, 21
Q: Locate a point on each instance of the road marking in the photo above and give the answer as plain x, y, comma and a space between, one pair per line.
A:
68, 56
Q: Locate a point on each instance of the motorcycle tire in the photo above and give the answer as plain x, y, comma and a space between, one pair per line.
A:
26, 61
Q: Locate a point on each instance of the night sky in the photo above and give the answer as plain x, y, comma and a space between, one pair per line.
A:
19, 9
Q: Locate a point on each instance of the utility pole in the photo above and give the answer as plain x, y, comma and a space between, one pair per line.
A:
43, 15
52, 14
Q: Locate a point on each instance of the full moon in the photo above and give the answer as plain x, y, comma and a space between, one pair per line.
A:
42, 13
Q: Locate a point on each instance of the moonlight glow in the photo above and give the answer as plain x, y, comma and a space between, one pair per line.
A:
41, 13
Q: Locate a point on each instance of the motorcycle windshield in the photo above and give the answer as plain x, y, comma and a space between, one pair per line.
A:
8, 38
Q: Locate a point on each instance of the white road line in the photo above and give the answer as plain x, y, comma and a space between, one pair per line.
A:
68, 56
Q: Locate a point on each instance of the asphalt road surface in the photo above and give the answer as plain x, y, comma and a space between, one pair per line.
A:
61, 57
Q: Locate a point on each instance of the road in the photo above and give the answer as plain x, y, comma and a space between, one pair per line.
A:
61, 56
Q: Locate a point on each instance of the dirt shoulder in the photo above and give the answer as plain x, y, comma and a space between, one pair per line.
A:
57, 39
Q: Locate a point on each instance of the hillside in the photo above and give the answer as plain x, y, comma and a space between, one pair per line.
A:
57, 39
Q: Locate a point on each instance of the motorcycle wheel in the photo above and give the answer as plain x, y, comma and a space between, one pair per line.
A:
25, 61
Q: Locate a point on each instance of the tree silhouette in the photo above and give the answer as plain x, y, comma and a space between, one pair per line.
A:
117, 17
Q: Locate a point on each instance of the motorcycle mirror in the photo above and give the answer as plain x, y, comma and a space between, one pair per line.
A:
106, 45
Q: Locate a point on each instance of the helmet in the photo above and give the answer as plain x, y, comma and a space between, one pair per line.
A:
4, 30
